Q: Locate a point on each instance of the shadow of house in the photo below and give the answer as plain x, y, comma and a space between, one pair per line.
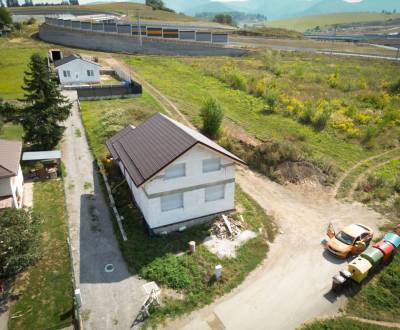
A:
98, 246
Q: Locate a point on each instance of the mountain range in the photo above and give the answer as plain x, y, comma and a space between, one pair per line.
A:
274, 9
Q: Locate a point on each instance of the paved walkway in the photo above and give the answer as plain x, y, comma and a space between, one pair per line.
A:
110, 300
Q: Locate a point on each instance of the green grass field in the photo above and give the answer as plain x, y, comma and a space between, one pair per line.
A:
45, 289
380, 189
303, 23
14, 58
106, 117
11, 132
342, 323
187, 82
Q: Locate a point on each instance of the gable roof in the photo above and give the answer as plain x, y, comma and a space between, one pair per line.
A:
10, 155
71, 58
156, 143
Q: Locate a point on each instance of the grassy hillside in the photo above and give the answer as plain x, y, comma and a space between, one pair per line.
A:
302, 23
127, 8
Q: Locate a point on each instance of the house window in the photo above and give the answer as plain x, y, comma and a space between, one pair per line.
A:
66, 73
211, 165
175, 171
215, 193
171, 202
90, 73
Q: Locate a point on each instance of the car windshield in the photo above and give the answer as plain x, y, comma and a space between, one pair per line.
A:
344, 238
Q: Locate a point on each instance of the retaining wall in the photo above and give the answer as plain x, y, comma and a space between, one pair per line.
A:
114, 42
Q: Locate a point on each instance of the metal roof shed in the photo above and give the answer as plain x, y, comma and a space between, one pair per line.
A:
41, 155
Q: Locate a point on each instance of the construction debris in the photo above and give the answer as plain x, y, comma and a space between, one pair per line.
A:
226, 227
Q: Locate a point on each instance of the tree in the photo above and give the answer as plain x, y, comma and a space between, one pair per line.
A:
155, 4
19, 240
1, 4
212, 114
223, 19
5, 17
45, 106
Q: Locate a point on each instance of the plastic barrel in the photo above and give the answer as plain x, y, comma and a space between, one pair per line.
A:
393, 239
373, 255
386, 248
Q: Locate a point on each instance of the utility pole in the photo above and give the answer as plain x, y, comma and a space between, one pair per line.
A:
140, 30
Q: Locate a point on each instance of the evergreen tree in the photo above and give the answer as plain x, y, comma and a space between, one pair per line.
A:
5, 17
45, 106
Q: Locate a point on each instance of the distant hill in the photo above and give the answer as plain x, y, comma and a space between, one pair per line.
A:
125, 8
303, 23
336, 6
274, 9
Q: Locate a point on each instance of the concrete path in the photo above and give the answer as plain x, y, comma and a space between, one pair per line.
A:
110, 300
293, 285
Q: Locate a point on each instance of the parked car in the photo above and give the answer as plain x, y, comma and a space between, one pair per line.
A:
352, 239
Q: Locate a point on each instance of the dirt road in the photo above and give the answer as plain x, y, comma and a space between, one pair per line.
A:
110, 300
293, 284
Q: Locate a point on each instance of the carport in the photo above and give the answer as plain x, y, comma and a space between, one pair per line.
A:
50, 161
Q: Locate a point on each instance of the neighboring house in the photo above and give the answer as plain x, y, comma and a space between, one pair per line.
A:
177, 176
74, 69
11, 178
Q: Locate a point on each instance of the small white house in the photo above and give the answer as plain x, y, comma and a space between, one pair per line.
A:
73, 70
11, 178
177, 176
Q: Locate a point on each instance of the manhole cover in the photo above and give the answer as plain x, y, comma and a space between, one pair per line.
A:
109, 268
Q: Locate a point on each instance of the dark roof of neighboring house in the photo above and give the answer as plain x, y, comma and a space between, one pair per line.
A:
156, 143
10, 155
71, 58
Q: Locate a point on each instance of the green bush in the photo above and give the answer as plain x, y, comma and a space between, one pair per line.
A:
272, 99
234, 78
320, 118
19, 240
369, 137
178, 273
373, 182
271, 61
395, 87
212, 115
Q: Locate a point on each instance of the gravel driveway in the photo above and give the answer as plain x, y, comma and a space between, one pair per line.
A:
110, 300
293, 284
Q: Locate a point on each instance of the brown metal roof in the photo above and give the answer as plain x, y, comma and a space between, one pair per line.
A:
157, 142
10, 155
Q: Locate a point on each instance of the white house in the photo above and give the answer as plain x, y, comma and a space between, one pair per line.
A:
177, 176
11, 178
74, 70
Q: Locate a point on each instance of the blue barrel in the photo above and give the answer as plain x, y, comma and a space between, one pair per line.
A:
393, 239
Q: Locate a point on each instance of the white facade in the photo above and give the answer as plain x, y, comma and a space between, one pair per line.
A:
199, 183
79, 71
13, 186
